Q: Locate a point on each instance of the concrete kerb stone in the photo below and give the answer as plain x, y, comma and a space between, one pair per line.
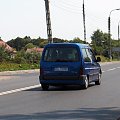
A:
18, 72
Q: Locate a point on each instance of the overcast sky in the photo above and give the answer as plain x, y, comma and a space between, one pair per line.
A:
20, 18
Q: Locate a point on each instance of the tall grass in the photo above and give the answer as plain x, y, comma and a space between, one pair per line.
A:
14, 66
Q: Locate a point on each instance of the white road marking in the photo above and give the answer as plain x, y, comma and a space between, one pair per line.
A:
18, 90
111, 69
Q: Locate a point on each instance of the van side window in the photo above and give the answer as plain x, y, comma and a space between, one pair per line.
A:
91, 55
86, 57
46, 55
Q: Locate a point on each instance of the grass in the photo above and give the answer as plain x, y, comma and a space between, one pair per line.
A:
103, 59
14, 66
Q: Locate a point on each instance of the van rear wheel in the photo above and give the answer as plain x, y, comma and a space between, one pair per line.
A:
44, 87
98, 82
85, 86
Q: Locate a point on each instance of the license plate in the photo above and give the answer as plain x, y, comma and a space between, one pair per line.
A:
61, 69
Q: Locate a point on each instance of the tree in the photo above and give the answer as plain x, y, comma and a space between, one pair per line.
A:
58, 40
77, 40
100, 42
20, 43
98, 38
17, 43
29, 45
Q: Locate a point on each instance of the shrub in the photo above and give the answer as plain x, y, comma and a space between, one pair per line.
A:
19, 60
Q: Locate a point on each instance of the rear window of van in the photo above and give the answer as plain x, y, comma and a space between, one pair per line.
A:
61, 54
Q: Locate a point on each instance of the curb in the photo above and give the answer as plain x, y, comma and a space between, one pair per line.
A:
18, 72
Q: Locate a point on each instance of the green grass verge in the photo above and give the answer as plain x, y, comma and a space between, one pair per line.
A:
14, 66
103, 59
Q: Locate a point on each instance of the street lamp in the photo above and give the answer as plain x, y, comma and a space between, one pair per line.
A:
118, 30
118, 39
109, 34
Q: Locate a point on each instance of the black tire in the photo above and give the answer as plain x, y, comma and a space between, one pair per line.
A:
98, 82
85, 86
44, 87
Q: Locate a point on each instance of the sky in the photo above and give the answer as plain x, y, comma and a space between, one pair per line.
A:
20, 18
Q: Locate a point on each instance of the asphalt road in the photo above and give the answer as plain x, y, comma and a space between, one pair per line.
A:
21, 98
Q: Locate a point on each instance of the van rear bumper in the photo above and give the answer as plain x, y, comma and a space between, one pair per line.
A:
81, 81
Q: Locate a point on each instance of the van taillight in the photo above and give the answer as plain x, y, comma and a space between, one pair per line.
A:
81, 71
41, 70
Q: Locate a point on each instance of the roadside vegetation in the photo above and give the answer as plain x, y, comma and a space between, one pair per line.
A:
21, 59
15, 66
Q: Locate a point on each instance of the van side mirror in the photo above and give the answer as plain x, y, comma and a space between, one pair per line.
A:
98, 59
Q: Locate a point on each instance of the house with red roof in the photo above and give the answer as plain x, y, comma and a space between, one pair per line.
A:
6, 46
35, 49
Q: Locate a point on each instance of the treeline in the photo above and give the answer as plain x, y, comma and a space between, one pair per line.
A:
21, 45
99, 43
26, 42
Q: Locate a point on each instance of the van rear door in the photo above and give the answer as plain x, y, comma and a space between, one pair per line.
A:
61, 62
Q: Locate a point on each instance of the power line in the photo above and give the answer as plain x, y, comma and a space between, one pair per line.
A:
67, 7
72, 4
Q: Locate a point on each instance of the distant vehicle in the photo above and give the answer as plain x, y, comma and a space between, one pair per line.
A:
69, 64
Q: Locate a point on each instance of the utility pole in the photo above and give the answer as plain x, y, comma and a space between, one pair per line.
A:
48, 22
118, 31
84, 21
118, 39
109, 37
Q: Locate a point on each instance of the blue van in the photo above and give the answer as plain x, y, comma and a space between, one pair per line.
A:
69, 64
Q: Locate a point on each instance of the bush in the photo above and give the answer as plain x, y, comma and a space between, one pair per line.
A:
32, 57
4, 55
19, 60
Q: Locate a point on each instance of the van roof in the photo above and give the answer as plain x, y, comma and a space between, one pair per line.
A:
71, 44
